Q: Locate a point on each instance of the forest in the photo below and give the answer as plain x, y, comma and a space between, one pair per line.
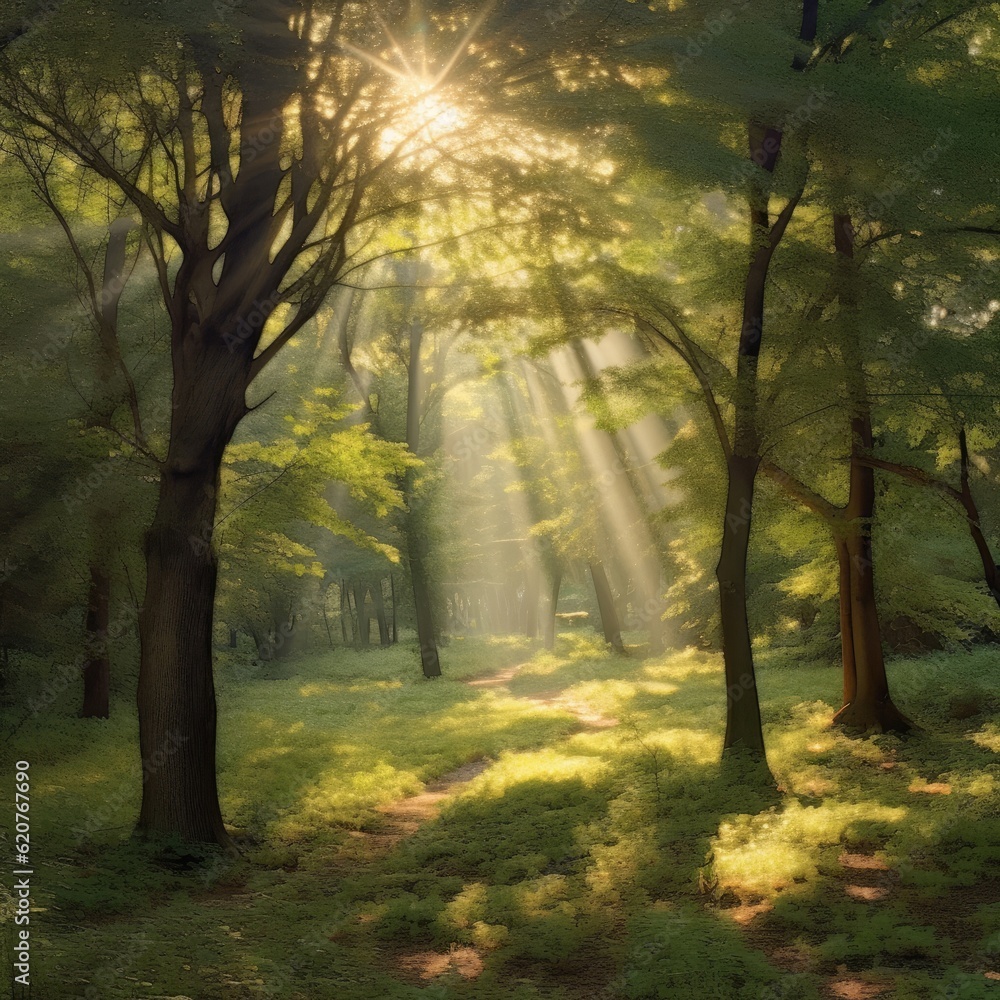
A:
500, 498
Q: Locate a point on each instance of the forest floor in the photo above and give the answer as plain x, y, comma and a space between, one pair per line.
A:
533, 825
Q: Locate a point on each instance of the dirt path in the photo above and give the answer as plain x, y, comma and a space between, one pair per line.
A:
403, 817
587, 717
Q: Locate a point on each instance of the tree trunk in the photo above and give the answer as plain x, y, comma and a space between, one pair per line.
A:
392, 592
97, 669
259, 644
430, 661
416, 547
871, 708
233, 638
846, 620
990, 574
284, 636
511, 607
606, 606
345, 616
743, 726
176, 694
550, 611
364, 619
325, 593
378, 601
531, 588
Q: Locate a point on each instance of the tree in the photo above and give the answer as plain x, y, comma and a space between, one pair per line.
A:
257, 177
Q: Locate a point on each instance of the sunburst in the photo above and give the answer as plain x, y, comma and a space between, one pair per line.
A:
429, 107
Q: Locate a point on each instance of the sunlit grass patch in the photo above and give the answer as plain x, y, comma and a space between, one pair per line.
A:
543, 765
988, 737
778, 850
619, 848
685, 745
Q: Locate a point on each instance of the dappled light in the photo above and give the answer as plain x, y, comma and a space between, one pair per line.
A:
500, 499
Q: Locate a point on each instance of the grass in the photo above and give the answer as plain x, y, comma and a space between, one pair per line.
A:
583, 862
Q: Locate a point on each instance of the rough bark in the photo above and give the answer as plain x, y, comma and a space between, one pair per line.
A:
176, 694
176, 691
743, 724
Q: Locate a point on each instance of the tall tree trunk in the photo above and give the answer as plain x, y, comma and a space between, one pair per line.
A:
871, 706
233, 638
606, 606
392, 593
345, 616
430, 662
364, 619
743, 725
552, 608
176, 693
97, 669
990, 574
324, 597
846, 618
416, 546
378, 600
531, 588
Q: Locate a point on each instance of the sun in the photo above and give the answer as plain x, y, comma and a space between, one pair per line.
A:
427, 117
428, 108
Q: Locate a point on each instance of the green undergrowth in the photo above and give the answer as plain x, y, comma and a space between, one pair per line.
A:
609, 860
